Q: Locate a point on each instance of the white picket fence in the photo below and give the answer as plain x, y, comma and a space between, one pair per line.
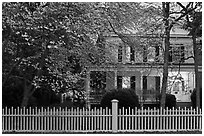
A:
64, 120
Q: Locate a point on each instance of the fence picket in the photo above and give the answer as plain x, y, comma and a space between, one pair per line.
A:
132, 118
3, 122
89, 119
184, 118
66, 116
100, 116
83, 122
6, 121
15, 119
150, 119
48, 119
197, 111
191, 118
200, 115
188, 120
9, 119
166, 118
135, 117
110, 119
92, 119
71, 119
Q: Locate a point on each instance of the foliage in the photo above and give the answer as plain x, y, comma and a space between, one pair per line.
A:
193, 23
55, 41
193, 98
170, 100
126, 97
45, 45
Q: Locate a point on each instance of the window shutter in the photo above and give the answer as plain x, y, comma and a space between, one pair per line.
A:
132, 82
157, 53
144, 83
157, 83
182, 54
144, 54
119, 82
120, 54
170, 54
132, 54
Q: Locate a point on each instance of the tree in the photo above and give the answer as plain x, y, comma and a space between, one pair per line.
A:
39, 38
193, 23
166, 9
169, 22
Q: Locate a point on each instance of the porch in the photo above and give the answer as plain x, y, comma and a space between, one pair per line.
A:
144, 81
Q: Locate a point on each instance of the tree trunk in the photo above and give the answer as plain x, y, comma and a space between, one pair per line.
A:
26, 94
165, 6
197, 82
25, 101
28, 91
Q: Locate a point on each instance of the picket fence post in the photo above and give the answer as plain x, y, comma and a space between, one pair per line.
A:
114, 116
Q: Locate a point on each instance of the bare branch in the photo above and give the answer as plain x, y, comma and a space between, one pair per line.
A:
183, 15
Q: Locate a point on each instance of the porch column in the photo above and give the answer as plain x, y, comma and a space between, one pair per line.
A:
115, 79
141, 83
87, 86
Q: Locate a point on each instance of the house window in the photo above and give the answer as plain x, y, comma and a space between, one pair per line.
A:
150, 82
151, 54
176, 54
151, 87
98, 80
132, 54
120, 54
126, 82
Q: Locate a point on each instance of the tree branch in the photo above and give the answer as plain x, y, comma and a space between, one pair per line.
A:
189, 57
112, 27
9, 73
184, 14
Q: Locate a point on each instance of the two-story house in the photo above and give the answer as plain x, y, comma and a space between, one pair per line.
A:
141, 69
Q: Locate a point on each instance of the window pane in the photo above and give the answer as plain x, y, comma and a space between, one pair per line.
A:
126, 82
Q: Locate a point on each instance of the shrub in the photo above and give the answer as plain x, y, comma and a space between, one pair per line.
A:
193, 98
126, 97
170, 100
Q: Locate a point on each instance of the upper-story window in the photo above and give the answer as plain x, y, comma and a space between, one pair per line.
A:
176, 54
128, 55
126, 82
151, 54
